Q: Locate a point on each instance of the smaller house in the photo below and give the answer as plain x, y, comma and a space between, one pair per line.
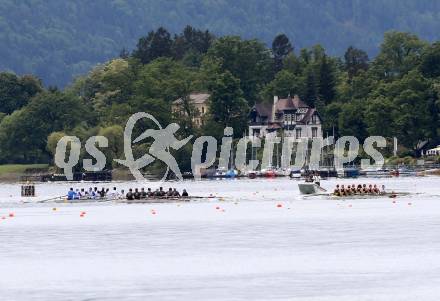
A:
198, 105
292, 116
433, 151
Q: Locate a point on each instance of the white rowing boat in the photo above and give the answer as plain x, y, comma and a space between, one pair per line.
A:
310, 188
360, 196
64, 200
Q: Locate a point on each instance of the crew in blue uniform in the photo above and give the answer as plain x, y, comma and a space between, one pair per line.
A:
71, 195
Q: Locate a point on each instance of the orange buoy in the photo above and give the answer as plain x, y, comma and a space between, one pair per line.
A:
218, 208
279, 205
11, 214
350, 205
54, 209
409, 204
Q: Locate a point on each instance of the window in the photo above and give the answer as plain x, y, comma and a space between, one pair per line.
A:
314, 132
314, 118
298, 133
203, 110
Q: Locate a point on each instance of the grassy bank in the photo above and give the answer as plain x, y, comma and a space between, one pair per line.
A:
12, 172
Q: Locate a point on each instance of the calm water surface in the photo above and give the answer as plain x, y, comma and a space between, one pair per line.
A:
263, 241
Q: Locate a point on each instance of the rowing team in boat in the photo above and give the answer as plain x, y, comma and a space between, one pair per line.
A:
136, 194
359, 190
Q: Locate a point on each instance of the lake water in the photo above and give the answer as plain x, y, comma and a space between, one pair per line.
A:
263, 241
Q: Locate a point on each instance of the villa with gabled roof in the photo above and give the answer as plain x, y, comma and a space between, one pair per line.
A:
292, 116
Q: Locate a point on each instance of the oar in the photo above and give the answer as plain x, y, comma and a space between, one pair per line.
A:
322, 189
51, 199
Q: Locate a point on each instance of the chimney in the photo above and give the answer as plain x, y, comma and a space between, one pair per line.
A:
274, 107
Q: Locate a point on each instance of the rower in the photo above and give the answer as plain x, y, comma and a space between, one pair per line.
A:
364, 188
143, 193
102, 193
184, 193
114, 194
161, 192
353, 189
136, 195
375, 189
129, 195
359, 189
348, 190
149, 192
337, 191
71, 194
176, 193
170, 192
317, 179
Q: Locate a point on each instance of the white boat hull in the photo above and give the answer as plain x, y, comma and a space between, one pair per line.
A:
310, 188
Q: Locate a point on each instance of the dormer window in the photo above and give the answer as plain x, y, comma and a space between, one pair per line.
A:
314, 119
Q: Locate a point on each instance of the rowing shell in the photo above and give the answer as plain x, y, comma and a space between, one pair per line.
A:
358, 196
163, 200
371, 196
66, 201
136, 201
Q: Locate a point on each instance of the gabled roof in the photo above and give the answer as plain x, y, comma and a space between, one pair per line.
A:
196, 98
290, 103
308, 116
263, 109
284, 104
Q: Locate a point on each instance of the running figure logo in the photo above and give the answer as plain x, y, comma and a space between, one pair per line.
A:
164, 140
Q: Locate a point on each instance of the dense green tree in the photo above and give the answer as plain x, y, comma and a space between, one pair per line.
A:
355, 60
15, 91
247, 60
292, 64
23, 134
191, 42
351, 121
281, 48
227, 105
156, 44
327, 82
284, 84
115, 149
399, 53
380, 115
430, 65
310, 94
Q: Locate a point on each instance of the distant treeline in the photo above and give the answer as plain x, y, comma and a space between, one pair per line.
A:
58, 40
395, 94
